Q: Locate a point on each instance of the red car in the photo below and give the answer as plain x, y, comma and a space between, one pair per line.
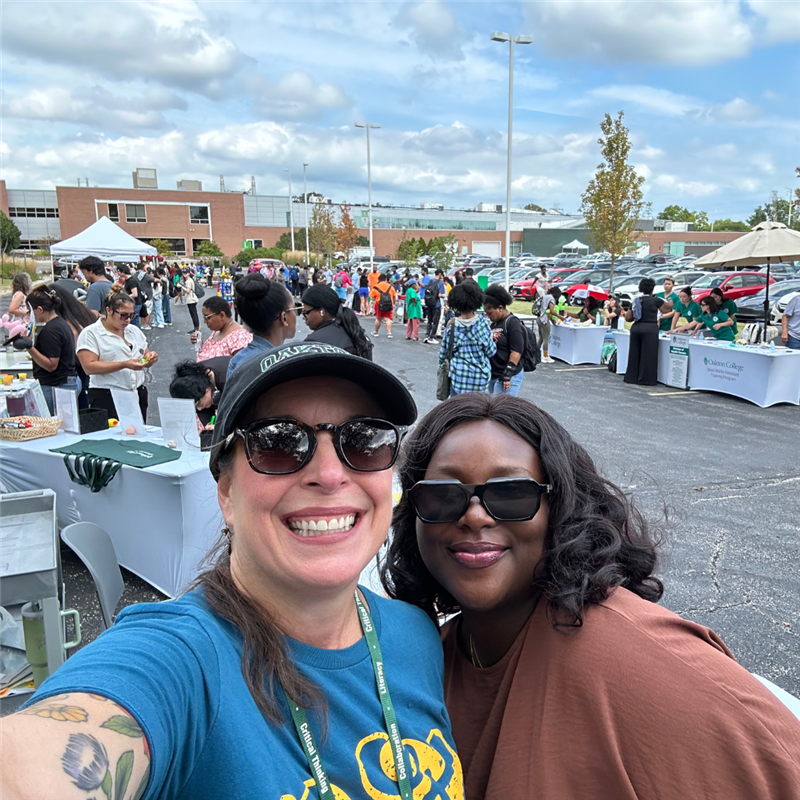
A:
524, 290
733, 284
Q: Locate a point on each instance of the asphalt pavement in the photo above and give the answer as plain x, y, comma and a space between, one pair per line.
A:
722, 473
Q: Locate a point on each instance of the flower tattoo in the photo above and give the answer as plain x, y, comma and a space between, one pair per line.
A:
86, 761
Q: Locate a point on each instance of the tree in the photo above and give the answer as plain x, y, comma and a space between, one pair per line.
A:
208, 249
162, 246
347, 232
9, 234
677, 214
409, 251
322, 230
763, 213
730, 225
285, 240
534, 207
362, 241
613, 200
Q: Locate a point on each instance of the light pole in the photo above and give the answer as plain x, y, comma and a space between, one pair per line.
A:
305, 206
367, 126
512, 40
291, 207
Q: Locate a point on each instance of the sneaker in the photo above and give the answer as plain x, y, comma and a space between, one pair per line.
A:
425, 340
168, 324
389, 336
375, 334
159, 326
432, 341
146, 328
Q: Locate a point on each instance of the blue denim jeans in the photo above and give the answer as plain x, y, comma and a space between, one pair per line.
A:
136, 314
793, 344
167, 309
73, 383
496, 385
158, 312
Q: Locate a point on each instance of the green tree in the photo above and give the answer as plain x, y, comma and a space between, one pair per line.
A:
730, 225
409, 251
9, 234
763, 213
362, 241
613, 200
677, 214
534, 207
162, 246
322, 230
346, 232
285, 240
208, 249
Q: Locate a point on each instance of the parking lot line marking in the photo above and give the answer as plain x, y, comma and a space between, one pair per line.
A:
669, 394
579, 369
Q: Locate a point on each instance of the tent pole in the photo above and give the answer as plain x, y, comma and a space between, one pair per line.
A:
766, 306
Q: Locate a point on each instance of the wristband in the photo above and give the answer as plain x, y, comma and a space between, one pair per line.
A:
509, 372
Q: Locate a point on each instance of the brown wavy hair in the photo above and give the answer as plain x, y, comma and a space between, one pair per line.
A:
596, 541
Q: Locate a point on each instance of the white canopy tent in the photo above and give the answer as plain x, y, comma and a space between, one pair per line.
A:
106, 240
575, 245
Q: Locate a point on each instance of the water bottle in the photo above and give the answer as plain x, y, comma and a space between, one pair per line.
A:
597, 319
772, 345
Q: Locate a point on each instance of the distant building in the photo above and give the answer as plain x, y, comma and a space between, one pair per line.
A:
145, 179
190, 186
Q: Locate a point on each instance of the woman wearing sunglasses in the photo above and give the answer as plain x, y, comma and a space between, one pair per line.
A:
332, 322
114, 354
563, 678
275, 676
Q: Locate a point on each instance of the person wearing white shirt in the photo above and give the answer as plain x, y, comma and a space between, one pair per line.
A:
114, 354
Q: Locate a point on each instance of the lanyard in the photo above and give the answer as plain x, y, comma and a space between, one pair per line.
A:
306, 737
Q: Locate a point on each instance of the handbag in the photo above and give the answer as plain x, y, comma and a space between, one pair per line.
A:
443, 382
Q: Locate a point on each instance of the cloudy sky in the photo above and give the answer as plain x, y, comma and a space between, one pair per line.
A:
710, 90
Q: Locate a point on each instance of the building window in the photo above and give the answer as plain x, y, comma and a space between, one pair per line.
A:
52, 213
41, 212
134, 212
198, 215
113, 212
12, 212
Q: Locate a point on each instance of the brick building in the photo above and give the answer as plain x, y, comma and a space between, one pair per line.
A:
186, 216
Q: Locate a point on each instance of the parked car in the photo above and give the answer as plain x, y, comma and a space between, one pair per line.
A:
733, 284
781, 270
752, 308
524, 288
656, 259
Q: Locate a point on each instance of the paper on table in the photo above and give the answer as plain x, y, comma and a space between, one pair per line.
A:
129, 413
178, 422
67, 410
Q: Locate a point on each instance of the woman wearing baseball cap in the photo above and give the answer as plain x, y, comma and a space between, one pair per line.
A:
276, 675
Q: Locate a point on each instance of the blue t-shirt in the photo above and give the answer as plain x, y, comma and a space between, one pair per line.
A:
257, 347
176, 667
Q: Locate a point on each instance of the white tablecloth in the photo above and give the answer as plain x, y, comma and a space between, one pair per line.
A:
577, 344
762, 376
162, 519
623, 340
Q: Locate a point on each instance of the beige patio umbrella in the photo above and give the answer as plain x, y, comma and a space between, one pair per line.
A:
767, 242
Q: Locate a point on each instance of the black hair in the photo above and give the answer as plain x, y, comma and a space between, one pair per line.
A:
469, 272
217, 305
43, 297
322, 296
687, 289
465, 297
646, 285
718, 293
713, 305
124, 269
92, 264
496, 296
596, 541
555, 293
591, 303
190, 381
383, 277
260, 302
72, 311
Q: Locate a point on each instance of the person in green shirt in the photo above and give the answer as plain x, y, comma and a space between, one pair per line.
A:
668, 294
728, 306
413, 311
712, 317
685, 307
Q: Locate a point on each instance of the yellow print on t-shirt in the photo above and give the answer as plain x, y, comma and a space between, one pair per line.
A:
430, 763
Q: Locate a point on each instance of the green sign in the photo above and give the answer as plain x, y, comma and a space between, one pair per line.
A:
247, 244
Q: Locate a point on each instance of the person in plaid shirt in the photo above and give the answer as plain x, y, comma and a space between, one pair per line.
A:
473, 344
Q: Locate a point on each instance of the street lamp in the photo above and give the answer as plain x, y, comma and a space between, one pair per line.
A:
305, 206
512, 40
291, 207
367, 126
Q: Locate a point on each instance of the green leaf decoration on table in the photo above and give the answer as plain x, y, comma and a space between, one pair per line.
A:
106, 785
124, 770
139, 793
124, 725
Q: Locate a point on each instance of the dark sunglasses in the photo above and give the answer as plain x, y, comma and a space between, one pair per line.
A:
505, 499
283, 446
310, 311
124, 316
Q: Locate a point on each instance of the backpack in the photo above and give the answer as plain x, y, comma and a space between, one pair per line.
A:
294, 274
432, 293
199, 291
339, 282
531, 355
536, 306
385, 302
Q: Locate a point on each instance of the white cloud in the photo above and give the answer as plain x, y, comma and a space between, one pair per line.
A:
648, 98
297, 96
654, 32
170, 43
780, 19
737, 109
96, 107
432, 28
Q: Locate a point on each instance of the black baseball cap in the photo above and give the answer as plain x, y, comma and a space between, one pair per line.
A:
255, 376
